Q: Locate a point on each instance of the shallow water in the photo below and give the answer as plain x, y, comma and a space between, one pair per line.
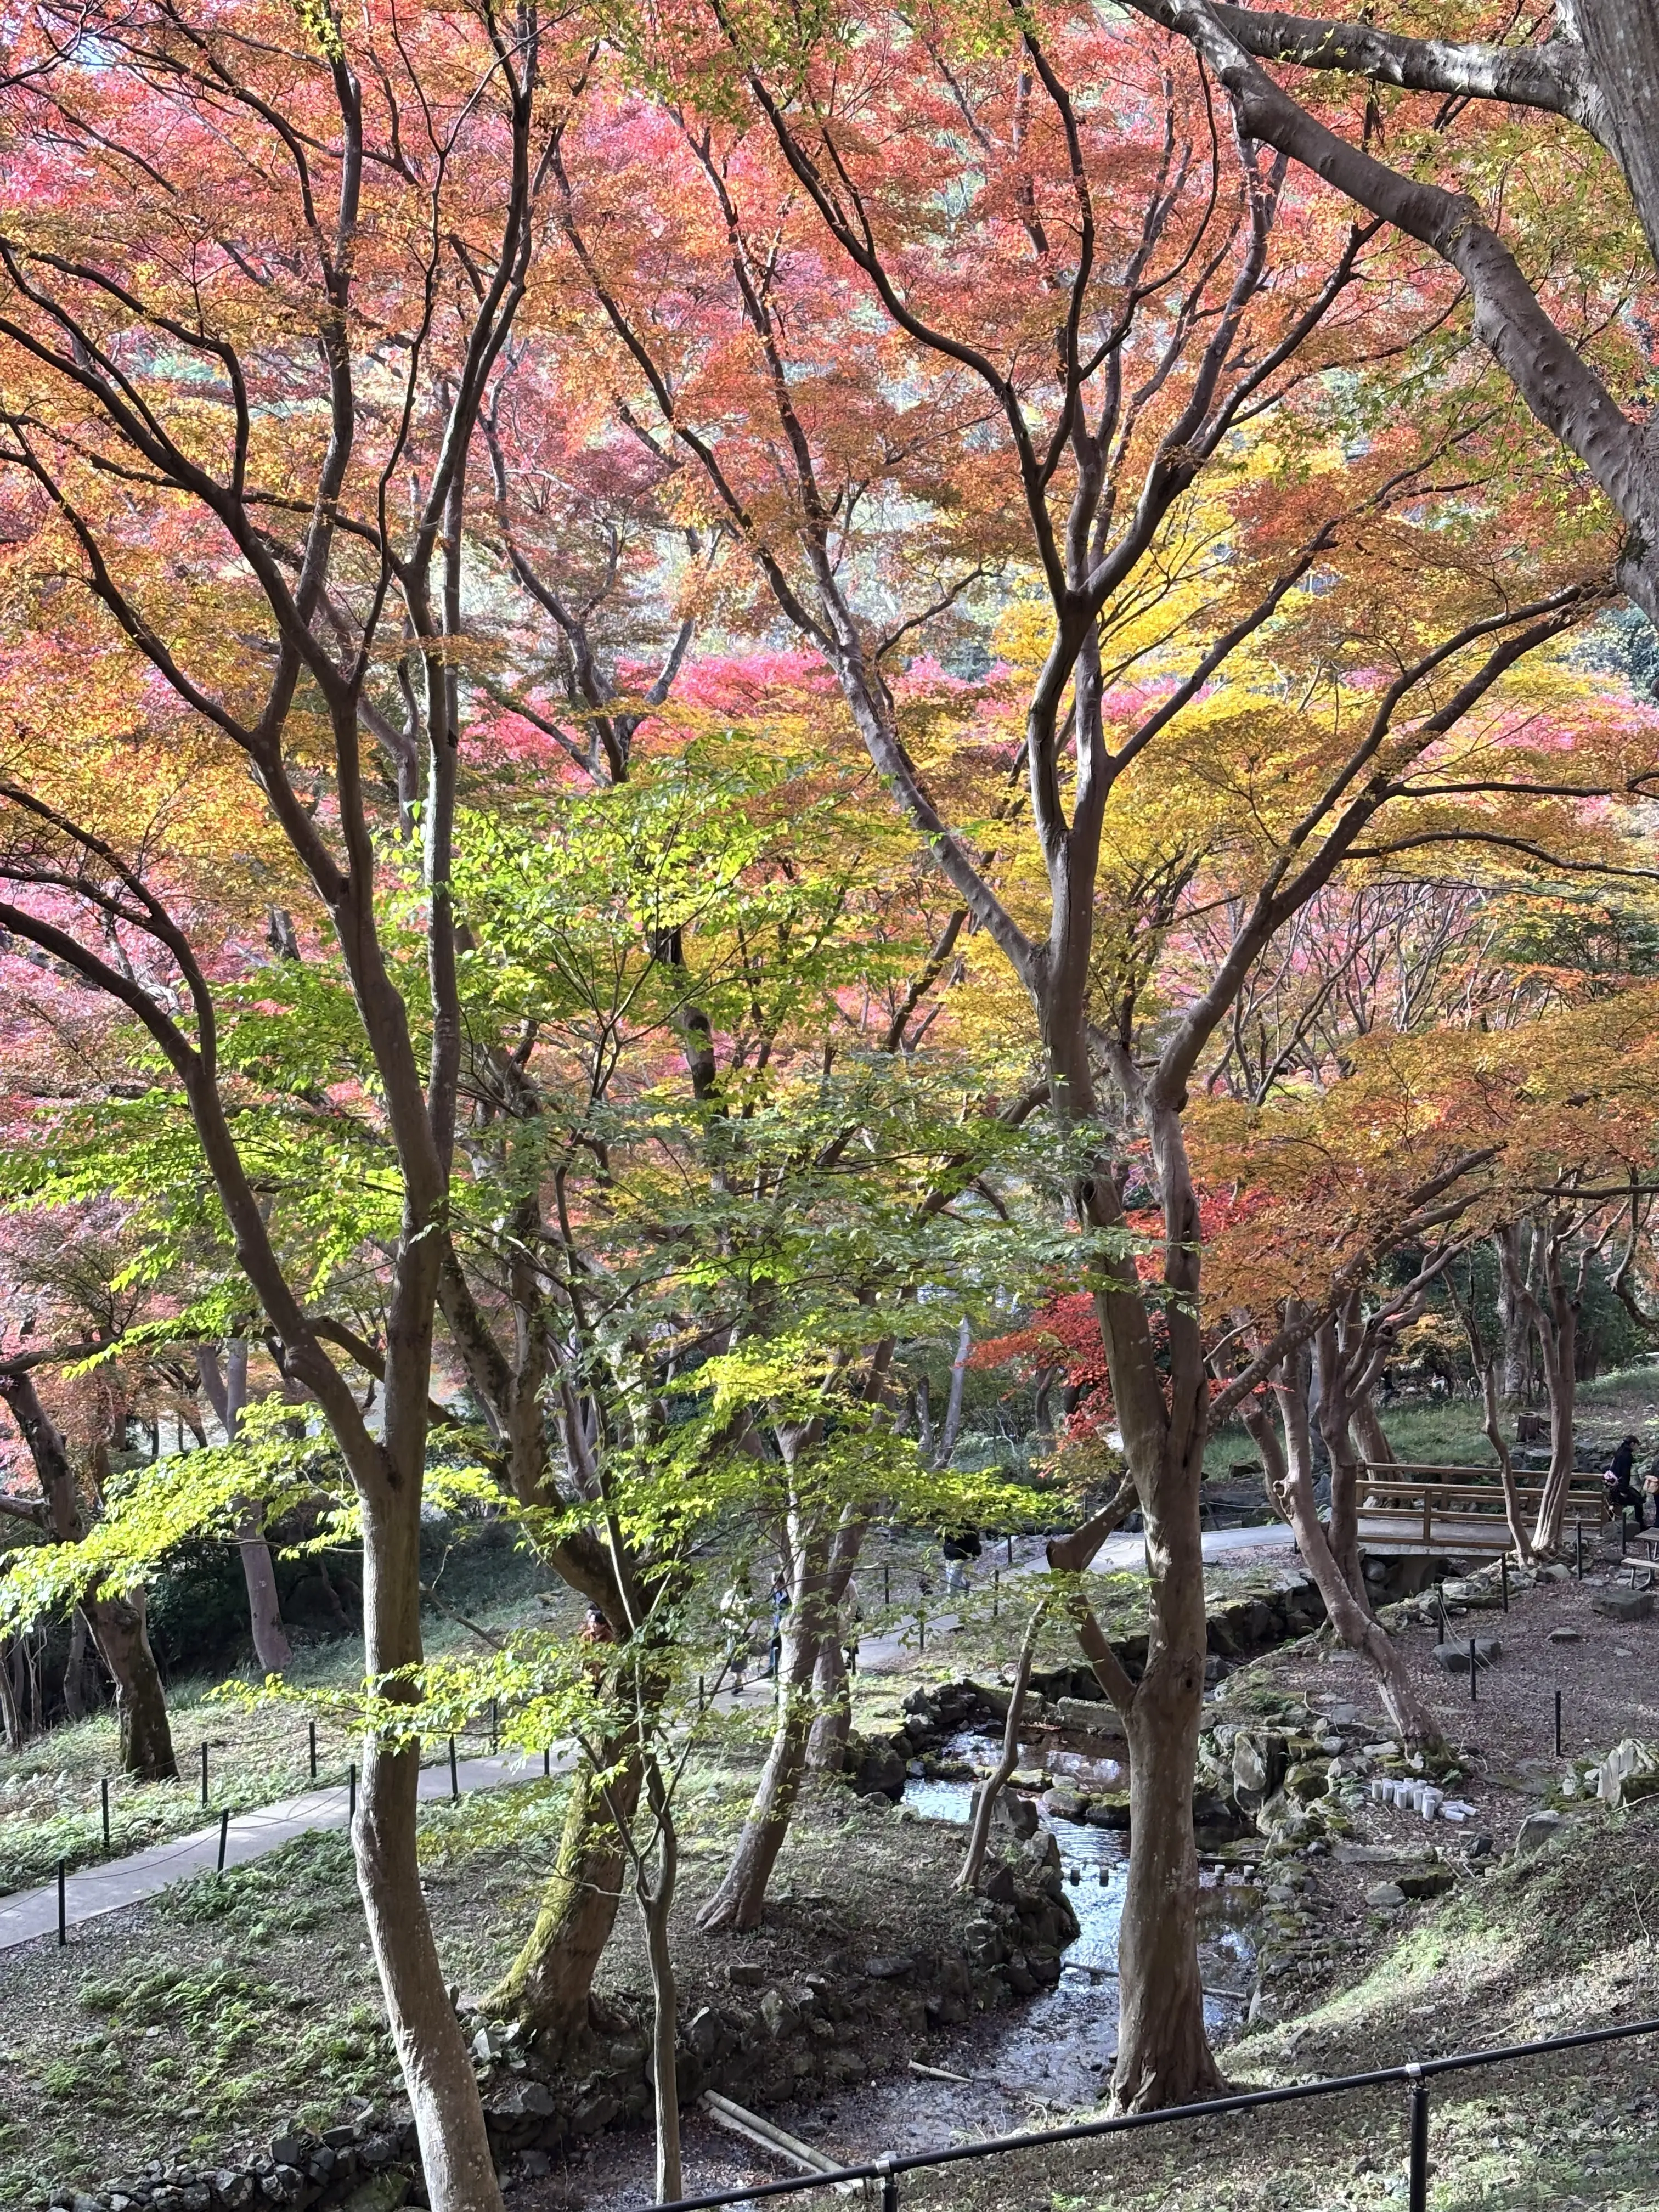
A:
1055, 2048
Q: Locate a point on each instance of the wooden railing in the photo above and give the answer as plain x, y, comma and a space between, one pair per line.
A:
1445, 1504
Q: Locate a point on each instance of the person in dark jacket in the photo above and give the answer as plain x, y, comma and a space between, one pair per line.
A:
1622, 1496
958, 1546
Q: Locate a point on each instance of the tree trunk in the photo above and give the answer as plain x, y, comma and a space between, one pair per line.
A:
985, 1804
656, 1904
739, 1901
549, 1985
74, 1670
270, 1645
1367, 1433
140, 1706
1289, 1464
832, 1715
1162, 2052
1515, 1322
226, 1390
437, 2066
10, 1717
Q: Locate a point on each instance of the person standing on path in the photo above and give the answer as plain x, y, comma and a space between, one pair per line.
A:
779, 1607
1622, 1496
958, 1546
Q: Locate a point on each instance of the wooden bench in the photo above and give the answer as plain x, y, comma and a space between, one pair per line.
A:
1456, 1509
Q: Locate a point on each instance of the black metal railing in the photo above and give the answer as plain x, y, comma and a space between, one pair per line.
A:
1416, 2076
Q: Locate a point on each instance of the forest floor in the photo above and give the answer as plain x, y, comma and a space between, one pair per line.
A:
201, 2023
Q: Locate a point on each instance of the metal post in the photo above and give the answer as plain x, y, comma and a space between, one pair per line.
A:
454, 1778
921, 1629
1417, 2196
1010, 1551
224, 1836
1445, 1631
351, 1791
1557, 1724
886, 1584
702, 1699
1473, 1671
547, 1762
889, 2182
1504, 1577
996, 1594
106, 1797
204, 1772
313, 1749
63, 1903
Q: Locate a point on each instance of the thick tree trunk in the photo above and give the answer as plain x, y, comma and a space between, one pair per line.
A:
10, 1717
1515, 1322
549, 1985
1369, 1437
1163, 2051
437, 2067
140, 1706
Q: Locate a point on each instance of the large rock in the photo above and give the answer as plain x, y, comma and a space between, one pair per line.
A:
1540, 1831
1623, 1604
1089, 1716
1385, 1896
1453, 1658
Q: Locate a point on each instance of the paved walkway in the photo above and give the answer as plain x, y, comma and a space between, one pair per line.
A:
28, 1914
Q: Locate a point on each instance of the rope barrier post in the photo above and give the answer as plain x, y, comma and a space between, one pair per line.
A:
351, 1792
454, 1778
1473, 1670
1445, 1631
1417, 2196
547, 1762
886, 1584
63, 1903
205, 1772
106, 1797
313, 1727
1504, 1577
701, 1699
921, 1629
889, 2182
1557, 1724
224, 1836
1011, 1550
996, 1594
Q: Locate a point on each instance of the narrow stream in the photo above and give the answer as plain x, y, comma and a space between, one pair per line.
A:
1056, 2046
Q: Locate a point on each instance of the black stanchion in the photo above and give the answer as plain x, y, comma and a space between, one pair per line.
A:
547, 1762
996, 1594
1578, 1548
63, 1903
1010, 1551
921, 1628
313, 1726
1557, 1724
886, 1584
1417, 2196
454, 1778
204, 1750
351, 1791
224, 1836
1473, 1672
105, 1793
701, 1696
1504, 1578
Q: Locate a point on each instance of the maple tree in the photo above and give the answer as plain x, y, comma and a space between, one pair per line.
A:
1039, 376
